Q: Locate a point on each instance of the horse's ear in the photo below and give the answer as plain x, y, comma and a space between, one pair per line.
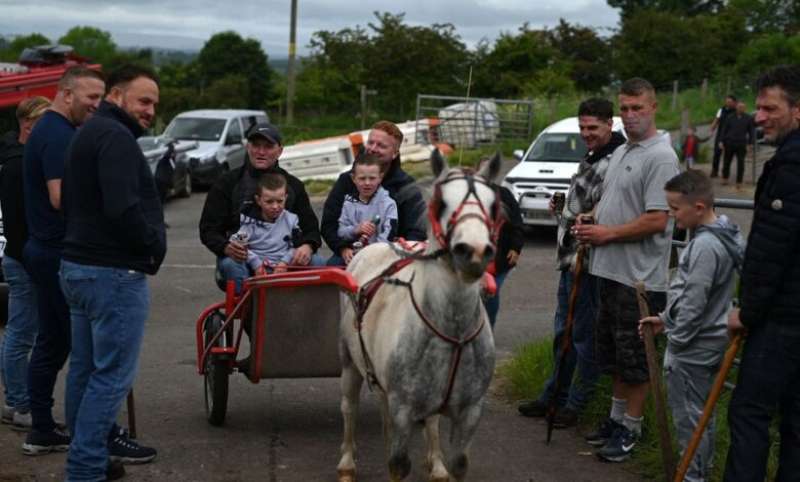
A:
438, 163
491, 169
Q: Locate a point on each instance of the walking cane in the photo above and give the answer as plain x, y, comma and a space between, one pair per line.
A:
655, 383
708, 410
131, 415
566, 340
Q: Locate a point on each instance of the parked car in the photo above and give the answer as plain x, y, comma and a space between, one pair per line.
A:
155, 148
546, 168
220, 136
3, 284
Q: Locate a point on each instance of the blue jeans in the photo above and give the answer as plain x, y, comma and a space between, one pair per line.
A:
238, 271
493, 304
20, 334
108, 307
768, 386
51, 349
580, 356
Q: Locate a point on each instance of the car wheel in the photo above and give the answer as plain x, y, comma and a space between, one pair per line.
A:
186, 185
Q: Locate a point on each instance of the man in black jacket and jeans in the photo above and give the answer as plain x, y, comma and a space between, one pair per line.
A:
114, 237
384, 142
769, 374
235, 191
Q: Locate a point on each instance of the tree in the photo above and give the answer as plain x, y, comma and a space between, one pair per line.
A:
768, 51
228, 92
91, 42
683, 8
663, 47
589, 55
227, 53
514, 60
769, 16
16, 46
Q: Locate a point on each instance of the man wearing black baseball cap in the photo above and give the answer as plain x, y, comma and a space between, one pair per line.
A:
235, 191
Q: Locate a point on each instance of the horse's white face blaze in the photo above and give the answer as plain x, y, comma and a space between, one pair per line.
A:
470, 245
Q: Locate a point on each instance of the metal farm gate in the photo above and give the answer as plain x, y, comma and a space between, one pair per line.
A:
464, 122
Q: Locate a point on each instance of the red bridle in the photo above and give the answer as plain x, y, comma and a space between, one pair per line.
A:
492, 222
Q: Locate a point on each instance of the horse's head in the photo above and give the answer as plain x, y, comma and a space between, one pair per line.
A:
464, 214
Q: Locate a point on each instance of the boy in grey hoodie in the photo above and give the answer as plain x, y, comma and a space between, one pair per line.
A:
369, 215
696, 317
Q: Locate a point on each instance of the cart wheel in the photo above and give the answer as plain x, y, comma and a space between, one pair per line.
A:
216, 375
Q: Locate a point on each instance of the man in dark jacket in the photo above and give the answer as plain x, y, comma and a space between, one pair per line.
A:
383, 141
234, 192
23, 318
716, 130
769, 374
114, 237
737, 134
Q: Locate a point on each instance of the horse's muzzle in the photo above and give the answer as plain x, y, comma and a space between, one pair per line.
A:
470, 261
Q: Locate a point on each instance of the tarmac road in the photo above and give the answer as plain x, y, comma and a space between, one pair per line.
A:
290, 430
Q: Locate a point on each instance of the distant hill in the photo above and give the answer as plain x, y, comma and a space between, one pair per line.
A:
279, 64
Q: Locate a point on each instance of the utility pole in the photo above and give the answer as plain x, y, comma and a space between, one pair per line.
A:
290, 68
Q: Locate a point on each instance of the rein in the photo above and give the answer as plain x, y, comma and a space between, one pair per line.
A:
368, 291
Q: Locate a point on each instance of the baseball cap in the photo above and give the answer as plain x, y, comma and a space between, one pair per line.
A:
267, 131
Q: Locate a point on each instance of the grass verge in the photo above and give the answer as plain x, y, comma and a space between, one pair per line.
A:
525, 374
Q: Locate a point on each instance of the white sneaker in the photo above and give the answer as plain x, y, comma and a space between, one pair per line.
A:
21, 422
7, 414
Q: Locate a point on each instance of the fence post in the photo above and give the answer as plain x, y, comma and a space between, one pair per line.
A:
704, 90
674, 95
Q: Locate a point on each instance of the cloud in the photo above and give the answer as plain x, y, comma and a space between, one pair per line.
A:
187, 24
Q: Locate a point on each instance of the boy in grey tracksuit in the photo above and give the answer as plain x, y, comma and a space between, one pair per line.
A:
696, 317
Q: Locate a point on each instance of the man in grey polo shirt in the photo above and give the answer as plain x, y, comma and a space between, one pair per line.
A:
631, 243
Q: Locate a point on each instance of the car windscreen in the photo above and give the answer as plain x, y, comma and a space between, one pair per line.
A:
196, 129
557, 148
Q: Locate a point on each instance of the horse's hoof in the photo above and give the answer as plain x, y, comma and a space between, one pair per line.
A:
346, 475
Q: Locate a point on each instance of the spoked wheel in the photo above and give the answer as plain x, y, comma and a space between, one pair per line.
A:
216, 373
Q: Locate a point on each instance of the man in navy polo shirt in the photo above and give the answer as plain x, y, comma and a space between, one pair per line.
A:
79, 92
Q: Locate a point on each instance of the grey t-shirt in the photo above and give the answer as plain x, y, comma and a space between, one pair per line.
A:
634, 184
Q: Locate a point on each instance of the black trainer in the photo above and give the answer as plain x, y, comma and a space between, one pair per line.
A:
121, 448
619, 447
532, 408
604, 433
114, 470
565, 418
40, 443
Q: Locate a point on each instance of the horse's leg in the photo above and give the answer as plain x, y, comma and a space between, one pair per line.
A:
351, 382
400, 432
462, 431
435, 457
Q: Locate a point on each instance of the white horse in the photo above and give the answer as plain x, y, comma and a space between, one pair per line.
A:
423, 341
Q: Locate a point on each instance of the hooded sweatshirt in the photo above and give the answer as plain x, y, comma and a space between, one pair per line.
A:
355, 211
268, 241
699, 297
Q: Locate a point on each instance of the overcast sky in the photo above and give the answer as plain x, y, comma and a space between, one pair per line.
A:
186, 24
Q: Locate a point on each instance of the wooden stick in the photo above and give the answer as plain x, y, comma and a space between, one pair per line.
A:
131, 415
566, 341
708, 410
654, 368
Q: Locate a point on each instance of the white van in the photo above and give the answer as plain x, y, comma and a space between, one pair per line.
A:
220, 135
546, 168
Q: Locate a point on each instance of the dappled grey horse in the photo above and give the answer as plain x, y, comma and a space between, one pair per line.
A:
418, 332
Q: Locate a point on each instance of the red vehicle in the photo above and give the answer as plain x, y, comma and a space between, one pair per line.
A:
293, 320
37, 73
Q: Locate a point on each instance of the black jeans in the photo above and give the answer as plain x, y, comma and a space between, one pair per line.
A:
716, 159
52, 345
739, 151
769, 381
